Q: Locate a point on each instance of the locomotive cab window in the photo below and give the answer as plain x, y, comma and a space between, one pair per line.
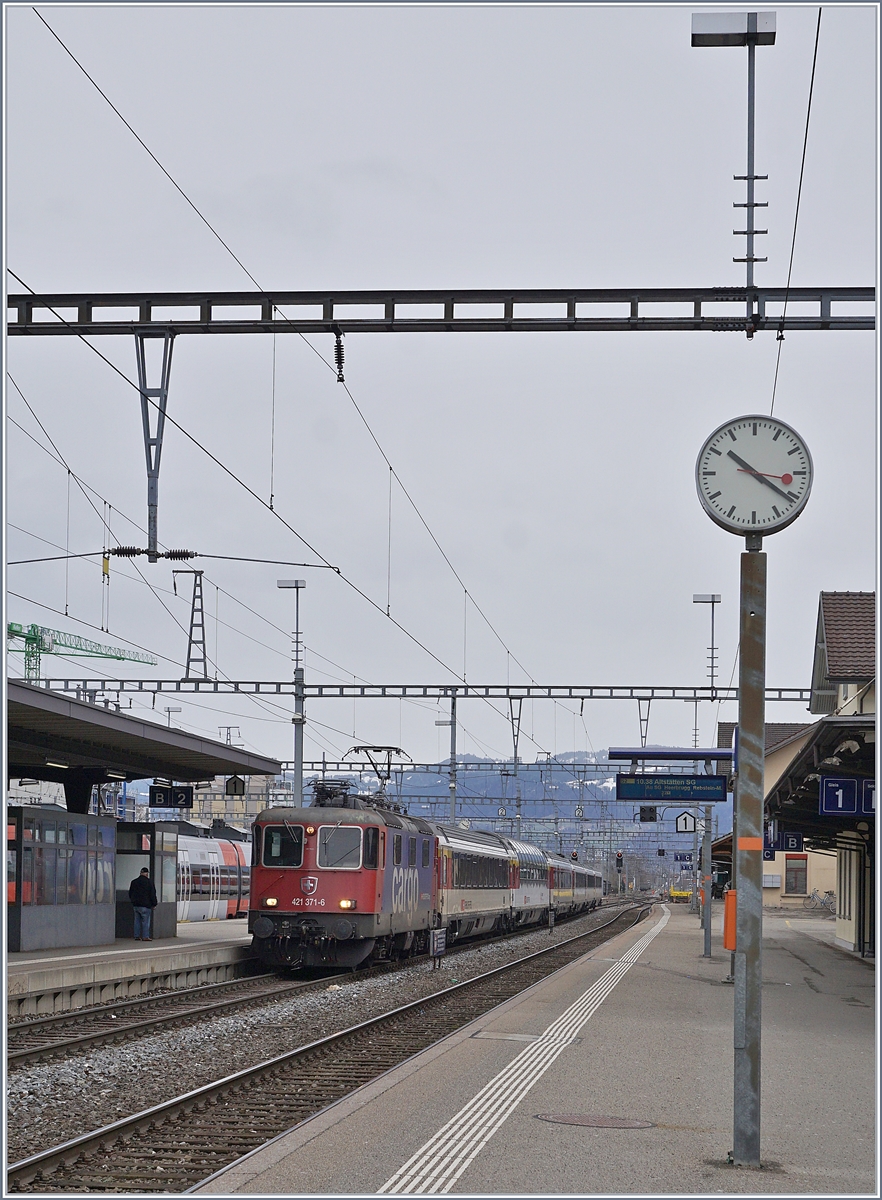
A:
371, 847
339, 846
283, 846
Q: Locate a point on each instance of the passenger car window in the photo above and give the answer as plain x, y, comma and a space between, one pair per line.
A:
339, 846
283, 846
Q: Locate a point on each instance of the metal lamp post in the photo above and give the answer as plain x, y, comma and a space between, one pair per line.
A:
298, 718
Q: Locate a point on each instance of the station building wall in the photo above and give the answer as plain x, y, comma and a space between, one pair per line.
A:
790, 877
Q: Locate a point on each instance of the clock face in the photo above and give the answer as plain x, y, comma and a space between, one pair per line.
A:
754, 475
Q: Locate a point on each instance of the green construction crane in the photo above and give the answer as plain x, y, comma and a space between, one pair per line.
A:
38, 640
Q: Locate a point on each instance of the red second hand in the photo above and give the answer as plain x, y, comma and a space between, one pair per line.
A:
785, 479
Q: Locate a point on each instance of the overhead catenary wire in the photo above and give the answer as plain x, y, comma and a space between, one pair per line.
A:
269, 506
256, 700
337, 369
808, 114
113, 550
251, 492
232, 475
236, 600
59, 460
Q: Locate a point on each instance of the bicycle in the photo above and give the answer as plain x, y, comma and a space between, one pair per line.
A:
816, 900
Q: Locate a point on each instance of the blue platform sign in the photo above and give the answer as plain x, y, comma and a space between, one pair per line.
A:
699, 789
838, 796
768, 855
868, 798
683, 858
792, 841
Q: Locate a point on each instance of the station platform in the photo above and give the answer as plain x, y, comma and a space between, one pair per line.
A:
46, 981
612, 1077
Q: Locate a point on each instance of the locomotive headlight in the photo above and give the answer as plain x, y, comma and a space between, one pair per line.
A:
347, 904
310, 829
270, 902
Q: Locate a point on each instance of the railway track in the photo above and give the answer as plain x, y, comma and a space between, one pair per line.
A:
175, 1146
62, 1034
84, 1029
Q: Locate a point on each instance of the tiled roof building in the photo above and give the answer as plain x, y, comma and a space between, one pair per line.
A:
845, 648
777, 732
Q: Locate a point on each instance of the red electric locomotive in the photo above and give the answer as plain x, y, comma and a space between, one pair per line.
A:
349, 878
339, 881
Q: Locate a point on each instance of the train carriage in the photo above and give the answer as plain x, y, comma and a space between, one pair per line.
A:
475, 881
530, 891
213, 879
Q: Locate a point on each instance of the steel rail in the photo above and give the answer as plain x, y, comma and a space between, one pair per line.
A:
166, 1020
78, 1015
118, 1138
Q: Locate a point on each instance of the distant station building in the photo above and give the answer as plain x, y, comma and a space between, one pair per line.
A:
820, 779
68, 868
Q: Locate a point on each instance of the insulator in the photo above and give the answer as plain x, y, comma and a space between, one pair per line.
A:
338, 357
179, 555
126, 551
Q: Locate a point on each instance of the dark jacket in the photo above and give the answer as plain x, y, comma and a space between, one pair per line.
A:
142, 893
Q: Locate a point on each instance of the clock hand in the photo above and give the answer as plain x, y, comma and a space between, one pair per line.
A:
749, 469
785, 479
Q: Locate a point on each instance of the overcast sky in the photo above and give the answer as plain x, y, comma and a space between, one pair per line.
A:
427, 147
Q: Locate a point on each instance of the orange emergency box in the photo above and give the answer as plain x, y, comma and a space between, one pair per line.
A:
729, 921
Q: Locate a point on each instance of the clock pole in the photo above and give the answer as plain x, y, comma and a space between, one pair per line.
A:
749, 851
767, 492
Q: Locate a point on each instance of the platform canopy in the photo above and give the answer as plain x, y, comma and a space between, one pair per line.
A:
53, 737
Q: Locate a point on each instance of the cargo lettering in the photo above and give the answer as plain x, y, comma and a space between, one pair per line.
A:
405, 890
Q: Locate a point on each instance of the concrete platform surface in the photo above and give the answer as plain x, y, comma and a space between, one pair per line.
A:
823, 928
199, 946
641, 1031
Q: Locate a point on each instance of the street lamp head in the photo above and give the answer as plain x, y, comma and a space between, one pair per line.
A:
733, 29
291, 583
706, 598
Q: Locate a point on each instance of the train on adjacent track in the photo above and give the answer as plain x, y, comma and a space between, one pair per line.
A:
349, 880
213, 878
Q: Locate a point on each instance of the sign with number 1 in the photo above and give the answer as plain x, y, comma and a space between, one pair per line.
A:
838, 796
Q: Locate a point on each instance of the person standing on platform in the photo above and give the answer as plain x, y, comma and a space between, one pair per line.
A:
142, 894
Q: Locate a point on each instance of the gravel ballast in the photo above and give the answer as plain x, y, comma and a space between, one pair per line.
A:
50, 1103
